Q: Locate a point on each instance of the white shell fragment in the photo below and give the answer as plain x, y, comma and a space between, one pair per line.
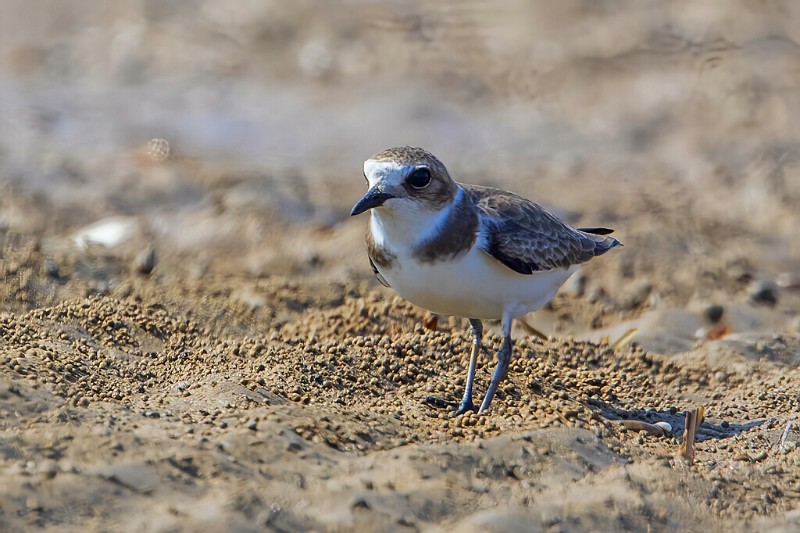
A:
108, 232
666, 426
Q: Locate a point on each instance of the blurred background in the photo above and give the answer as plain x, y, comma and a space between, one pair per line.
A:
227, 137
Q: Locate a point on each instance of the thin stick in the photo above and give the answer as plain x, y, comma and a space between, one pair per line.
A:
785, 435
638, 425
688, 436
624, 340
694, 418
530, 330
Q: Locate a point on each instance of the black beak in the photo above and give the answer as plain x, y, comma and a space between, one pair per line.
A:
374, 198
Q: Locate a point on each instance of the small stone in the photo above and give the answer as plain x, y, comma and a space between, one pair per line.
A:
67, 466
713, 313
158, 149
145, 261
479, 488
51, 268
764, 292
360, 502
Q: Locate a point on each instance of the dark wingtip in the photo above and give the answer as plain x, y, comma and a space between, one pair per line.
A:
597, 231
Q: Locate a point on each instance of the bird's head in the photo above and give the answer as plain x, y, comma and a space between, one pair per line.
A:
405, 182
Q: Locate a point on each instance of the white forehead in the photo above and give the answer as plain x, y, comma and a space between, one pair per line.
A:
387, 172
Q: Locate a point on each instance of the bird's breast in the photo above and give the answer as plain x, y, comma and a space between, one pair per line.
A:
471, 285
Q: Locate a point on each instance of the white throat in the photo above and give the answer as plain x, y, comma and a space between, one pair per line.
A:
404, 223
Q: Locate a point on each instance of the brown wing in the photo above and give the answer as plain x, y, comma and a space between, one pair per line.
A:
526, 238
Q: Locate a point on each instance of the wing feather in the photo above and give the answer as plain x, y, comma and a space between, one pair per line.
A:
527, 238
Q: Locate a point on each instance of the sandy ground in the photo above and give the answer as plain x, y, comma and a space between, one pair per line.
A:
190, 335
241, 403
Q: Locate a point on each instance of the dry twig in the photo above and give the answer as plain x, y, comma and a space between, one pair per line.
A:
694, 418
785, 435
624, 340
530, 330
638, 425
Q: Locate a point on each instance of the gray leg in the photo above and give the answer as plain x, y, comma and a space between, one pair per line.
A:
477, 333
503, 358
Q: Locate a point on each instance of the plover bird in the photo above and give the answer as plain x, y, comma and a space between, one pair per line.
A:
466, 250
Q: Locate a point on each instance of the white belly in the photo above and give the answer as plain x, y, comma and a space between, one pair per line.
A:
474, 285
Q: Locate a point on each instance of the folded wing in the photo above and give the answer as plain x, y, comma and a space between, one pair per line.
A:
526, 238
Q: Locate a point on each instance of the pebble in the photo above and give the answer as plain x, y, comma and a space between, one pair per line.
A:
479, 488
67, 466
713, 313
145, 261
763, 292
360, 502
51, 268
760, 456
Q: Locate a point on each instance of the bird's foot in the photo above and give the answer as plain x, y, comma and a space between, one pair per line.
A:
466, 405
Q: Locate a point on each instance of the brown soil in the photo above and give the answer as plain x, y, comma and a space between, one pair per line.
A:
167, 403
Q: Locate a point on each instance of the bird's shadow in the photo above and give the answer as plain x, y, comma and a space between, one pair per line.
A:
677, 420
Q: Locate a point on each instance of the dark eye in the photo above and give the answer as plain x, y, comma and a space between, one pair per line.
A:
420, 178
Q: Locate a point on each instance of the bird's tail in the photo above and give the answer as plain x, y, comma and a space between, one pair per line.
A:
603, 243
